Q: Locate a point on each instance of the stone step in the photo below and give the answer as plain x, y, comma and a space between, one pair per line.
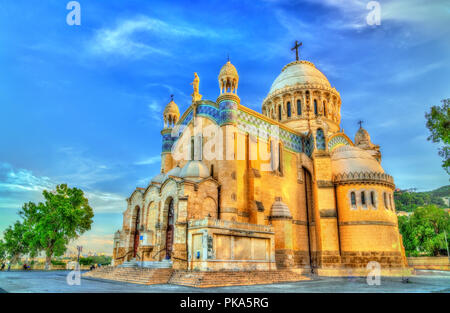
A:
150, 276
133, 275
216, 279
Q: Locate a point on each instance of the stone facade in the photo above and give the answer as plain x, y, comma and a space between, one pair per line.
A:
244, 191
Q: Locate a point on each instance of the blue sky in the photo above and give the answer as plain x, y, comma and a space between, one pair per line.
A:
82, 104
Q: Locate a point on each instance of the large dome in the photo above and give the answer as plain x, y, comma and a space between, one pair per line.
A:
349, 159
299, 72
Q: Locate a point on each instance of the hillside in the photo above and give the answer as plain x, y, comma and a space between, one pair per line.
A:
407, 200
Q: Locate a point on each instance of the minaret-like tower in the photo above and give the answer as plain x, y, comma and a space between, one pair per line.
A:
228, 79
171, 116
228, 103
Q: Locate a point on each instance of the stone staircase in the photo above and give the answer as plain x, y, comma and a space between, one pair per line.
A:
129, 264
159, 264
144, 276
162, 275
234, 278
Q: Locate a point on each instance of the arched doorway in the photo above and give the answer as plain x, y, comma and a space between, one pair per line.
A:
310, 217
169, 230
136, 232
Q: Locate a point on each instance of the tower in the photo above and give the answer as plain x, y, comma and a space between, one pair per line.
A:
171, 115
228, 102
228, 79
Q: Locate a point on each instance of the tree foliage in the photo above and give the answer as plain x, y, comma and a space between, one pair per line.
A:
49, 226
423, 231
2, 251
438, 122
99, 259
15, 244
409, 201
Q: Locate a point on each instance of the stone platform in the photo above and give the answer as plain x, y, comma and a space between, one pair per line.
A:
195, 278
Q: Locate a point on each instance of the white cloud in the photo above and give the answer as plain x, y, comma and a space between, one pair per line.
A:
150, 160
92, 242
412, 73
18, 186
416, 11
130, 38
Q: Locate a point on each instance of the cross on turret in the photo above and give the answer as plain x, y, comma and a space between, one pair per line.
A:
297, 45
360, 124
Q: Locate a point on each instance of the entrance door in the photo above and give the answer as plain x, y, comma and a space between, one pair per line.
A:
136, 233
310, 217
169, 231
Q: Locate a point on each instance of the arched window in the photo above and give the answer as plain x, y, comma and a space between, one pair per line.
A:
192, 148
288, 109
279, 112
212, 170
315, 107
299, 107
363, 198
390, 202
353, 199
320, 139
324, 109
372, 199
280, 158
385, 201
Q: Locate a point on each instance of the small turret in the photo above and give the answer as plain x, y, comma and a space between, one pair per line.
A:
362, 140
228, 79
171, 114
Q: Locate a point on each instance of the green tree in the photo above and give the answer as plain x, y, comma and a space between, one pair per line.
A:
438, 122
15, 244
423, 231
64, 216
30, 216
2, 251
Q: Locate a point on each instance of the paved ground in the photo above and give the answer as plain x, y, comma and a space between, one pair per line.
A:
37, 281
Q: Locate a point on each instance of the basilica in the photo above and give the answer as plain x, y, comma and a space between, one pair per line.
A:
284, 188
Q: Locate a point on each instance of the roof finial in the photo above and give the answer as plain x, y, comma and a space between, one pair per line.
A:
360, 124
297, 45
171, 97
228, 57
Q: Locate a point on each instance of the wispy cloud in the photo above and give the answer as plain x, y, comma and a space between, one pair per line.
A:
135, 37
18, 186
150, 160
92, 242
412, 73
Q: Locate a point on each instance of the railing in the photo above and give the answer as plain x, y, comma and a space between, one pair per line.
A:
159, 252
126, 254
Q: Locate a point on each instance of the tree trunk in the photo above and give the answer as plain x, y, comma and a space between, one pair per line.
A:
48, 262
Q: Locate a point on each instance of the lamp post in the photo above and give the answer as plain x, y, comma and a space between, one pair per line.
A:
79, 248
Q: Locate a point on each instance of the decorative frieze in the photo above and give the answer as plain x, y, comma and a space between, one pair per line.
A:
364, 177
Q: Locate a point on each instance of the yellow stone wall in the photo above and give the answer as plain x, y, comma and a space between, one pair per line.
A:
358, 228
